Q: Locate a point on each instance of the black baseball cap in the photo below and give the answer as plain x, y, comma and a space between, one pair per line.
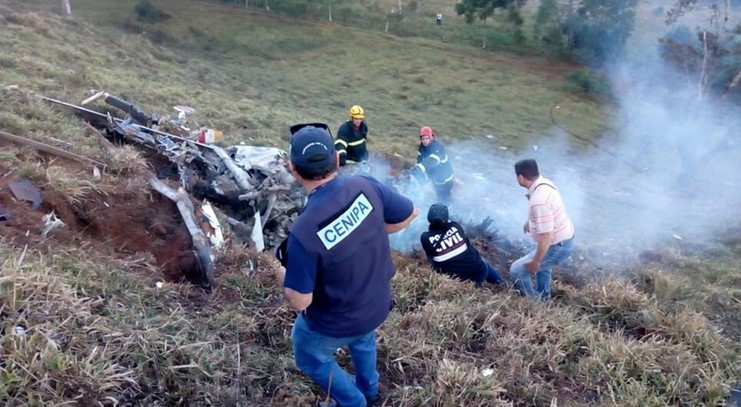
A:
312, 147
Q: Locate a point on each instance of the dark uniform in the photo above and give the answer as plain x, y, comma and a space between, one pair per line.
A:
350, 143
450, 252
338, 264
432, 161
339, 250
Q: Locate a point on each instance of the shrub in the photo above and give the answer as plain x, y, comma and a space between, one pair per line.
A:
146, 10
12, 123
7, 61
590, 81
161, 37
34, 21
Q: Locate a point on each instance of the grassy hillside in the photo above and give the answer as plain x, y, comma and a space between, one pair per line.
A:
86, 322
232, 64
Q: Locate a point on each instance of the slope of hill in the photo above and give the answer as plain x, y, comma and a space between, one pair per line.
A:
313, 71
93, 316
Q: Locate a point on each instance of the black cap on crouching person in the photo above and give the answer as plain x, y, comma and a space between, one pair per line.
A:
437, 214
312, 151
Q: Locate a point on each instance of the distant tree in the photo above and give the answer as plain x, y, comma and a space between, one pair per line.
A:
548, 22
146, 10
598, 30
593, 31
682, 7
483, 9
710, 55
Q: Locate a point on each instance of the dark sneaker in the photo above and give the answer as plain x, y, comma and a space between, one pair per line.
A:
326, 403
370, 402
374, 401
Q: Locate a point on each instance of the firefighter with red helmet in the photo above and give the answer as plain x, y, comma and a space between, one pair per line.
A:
433, 164
351, 137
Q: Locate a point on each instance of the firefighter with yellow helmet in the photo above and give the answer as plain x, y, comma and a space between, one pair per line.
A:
351, 138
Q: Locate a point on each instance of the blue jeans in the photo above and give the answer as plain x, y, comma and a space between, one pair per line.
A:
492, 275
520, 275
314, 354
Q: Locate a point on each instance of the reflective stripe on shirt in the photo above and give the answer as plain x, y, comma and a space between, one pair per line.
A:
445, 181
451, 254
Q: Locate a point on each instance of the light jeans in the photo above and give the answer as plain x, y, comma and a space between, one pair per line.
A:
314, 355
520, 275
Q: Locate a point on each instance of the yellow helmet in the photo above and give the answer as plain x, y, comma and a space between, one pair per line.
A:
356, 112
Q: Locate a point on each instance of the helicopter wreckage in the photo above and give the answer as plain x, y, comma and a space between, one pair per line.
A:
251, 186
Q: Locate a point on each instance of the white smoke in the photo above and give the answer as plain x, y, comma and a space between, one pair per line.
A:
667, 173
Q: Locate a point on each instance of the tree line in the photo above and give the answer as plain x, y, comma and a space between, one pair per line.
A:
592, 32
595, 33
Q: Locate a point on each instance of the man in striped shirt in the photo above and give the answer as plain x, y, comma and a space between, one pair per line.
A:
549, 226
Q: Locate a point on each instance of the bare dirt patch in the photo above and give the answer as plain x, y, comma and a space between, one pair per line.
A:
125, 221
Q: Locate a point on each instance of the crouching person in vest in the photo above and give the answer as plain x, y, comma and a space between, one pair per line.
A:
338, 267
450, 252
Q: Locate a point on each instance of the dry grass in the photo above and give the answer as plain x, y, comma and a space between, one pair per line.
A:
127, 160
101, 330
607, 343
93, 332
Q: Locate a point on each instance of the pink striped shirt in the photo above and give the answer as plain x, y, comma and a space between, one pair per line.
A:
547, 213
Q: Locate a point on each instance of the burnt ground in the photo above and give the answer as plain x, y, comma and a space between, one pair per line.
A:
127, 219
124, 221
121, 217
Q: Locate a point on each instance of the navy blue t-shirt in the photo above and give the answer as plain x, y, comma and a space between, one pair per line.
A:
338, 249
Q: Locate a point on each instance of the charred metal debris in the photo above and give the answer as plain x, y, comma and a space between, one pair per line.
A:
251, 186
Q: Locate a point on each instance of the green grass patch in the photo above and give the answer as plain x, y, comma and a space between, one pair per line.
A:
306, 71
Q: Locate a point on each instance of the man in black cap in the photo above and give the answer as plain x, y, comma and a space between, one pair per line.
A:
338, 267
450, 252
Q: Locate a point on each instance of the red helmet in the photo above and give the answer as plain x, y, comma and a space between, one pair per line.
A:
426, 131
